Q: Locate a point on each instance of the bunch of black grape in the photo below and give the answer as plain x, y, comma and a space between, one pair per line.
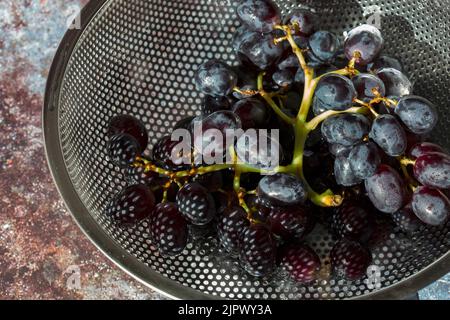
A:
264, 223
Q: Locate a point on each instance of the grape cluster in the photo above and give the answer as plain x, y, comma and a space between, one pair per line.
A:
348, 121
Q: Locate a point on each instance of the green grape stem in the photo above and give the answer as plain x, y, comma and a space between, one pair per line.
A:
302, 129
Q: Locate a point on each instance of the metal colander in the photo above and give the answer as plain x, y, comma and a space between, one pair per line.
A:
139, 56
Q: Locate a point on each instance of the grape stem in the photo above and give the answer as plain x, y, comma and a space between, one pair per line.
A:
315, 122
268, 97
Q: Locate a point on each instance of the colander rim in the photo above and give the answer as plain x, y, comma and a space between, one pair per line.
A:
103, 242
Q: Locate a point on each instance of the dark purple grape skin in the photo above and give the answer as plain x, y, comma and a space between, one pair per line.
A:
258, 251
304, 21
364, 160
353, 221
253, 113
123, 149
221, 121
168, 230
334, 92
301, 262
433, 170
132, 205
339, 150
346, 129
137, 175
366, 40
196, 204
215, 78
365, 83
407, 220
431, 206
163, 155
281, 190
259, 149
260, 49
386, 189
324, 45
288, 62
212, 104
396, 83
289, 223
418, 114
423, 148
285, 78
343, 172
230, 227
389, 135
350, 260
384, 61
129, 125
259, 15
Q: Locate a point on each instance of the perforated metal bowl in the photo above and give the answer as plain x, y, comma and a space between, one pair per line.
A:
138, 57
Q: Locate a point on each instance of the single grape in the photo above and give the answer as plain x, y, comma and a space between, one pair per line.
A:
343, 172
123, 149
352, 221
423, 148
210, 134
215, 78
365, 83
339, 149
129, 125
230, 227
386, 189
260, 49
350, 260
346, 129
406, 219
396, 83
384, 61
431, 206
132, 205
324, 45
281, 189
168, 229
253, 113
301, 262
303, 20
390, 136
259, 149
334, 92
364, 160
259, 15
257, 251
166, 156
196, 204
417, 113
433, 170
366, 41
289, 223
285, 78
213, 104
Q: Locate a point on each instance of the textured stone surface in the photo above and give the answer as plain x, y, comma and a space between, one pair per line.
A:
42, 251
